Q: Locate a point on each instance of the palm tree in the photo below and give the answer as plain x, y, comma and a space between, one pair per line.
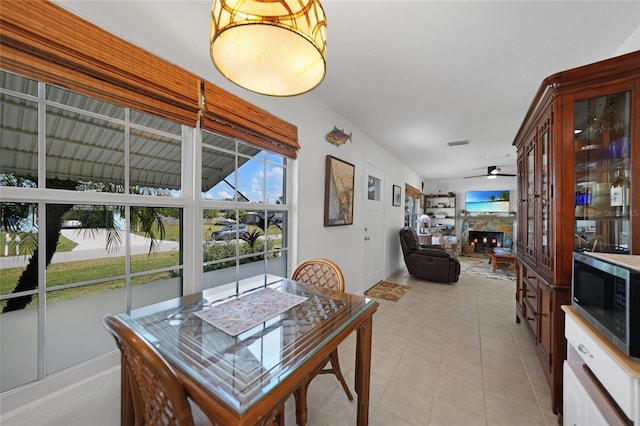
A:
147, 220
252, 237
262, 225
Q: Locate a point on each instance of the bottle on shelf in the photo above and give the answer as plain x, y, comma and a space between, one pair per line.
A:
620, 193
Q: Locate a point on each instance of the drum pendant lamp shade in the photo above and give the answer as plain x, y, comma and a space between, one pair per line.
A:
272, 47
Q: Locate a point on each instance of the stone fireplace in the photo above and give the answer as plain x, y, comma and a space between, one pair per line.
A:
498, 228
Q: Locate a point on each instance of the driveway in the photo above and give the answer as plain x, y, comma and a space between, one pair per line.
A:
91, 245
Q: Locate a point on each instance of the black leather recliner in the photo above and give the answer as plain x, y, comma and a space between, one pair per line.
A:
432, 263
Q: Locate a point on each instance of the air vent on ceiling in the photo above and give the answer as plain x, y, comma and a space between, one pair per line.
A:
456, 143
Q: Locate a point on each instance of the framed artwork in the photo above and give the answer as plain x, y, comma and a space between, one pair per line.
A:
397, 195
338, 192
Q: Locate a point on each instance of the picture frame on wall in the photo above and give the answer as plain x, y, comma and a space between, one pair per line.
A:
338, 192
396, 196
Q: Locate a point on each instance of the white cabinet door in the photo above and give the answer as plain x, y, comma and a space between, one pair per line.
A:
578, 407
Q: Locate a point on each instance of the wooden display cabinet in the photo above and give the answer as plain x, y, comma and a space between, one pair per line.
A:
582, 128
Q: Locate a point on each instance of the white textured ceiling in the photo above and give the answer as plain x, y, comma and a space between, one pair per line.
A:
413, 75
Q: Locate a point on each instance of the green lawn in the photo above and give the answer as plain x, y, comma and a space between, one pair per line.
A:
171, 233
71, 272
64, 244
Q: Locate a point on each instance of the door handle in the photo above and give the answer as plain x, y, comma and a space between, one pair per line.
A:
582, 348
367, 238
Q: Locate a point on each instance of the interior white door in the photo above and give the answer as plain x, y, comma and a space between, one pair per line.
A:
375, 197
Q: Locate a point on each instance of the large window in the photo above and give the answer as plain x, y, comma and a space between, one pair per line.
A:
92, 215
99, 197
244, 214
92, 220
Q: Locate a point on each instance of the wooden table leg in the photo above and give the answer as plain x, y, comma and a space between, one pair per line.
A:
363, 370
300, 396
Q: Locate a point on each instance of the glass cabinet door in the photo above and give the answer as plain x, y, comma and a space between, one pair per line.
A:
602, 173
531, 196
522, 203
544, 145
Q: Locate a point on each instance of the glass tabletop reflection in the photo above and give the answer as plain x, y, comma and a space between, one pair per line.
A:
240, 370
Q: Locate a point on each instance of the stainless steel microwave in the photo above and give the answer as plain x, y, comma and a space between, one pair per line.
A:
606, 292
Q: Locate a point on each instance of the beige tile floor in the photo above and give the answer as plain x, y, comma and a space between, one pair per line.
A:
443, 355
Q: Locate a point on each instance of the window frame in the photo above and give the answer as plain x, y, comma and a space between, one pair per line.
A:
189, 200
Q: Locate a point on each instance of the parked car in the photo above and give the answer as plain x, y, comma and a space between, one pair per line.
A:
225, 222
230, 232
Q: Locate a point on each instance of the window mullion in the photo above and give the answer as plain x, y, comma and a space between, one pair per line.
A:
42, 235
192, 247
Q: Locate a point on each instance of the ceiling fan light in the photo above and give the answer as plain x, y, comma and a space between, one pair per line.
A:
271, 47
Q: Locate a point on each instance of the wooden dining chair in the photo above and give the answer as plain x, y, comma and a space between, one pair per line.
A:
326, 274
158, 396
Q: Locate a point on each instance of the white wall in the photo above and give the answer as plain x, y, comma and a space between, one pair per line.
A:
342, 244
632, 44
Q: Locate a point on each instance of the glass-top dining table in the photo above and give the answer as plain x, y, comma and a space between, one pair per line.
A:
243, 376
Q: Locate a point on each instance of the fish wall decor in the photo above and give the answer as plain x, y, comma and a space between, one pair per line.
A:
338, 137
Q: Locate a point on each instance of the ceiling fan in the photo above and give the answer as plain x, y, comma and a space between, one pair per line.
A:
492, 172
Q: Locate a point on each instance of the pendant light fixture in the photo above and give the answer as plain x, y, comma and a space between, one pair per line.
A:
272, 47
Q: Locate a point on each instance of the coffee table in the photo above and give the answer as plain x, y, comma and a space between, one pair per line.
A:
501, 259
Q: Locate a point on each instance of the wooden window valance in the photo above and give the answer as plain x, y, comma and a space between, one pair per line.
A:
412, 191
232, 116
43, 41
39, 39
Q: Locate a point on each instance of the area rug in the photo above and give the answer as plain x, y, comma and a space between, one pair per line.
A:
387, 291
479, 267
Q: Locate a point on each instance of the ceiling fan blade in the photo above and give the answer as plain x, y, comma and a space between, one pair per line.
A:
492, 171
494, 175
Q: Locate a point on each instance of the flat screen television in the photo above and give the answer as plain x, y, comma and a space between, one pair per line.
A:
487, 201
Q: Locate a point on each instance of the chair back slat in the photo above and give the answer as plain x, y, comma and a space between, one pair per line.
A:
320, 272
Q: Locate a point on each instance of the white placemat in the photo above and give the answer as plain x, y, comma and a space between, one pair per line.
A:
239, 315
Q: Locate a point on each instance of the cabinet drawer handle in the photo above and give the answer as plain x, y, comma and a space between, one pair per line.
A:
530, 297
582, 348
530, 319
